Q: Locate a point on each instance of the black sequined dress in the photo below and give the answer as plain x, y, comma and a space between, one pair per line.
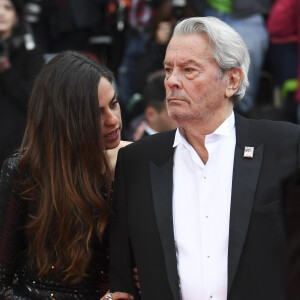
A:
17, 280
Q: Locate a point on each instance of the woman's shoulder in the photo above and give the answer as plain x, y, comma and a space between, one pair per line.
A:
11, 163
123, 144
9, 172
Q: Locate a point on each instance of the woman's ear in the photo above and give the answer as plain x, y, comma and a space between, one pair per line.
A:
235, 77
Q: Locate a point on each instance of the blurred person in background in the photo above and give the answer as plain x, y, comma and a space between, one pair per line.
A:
284, 28
161, 29
55, 192
20, 61
155, 107
155, 115
137, 22
68, 24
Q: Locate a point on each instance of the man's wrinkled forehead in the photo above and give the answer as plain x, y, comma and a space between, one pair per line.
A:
188, 50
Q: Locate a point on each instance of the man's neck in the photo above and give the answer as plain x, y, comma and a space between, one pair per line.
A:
195, 133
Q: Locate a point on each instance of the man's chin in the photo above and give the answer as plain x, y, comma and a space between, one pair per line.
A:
178, 116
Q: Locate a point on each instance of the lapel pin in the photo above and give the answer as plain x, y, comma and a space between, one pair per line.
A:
248, 152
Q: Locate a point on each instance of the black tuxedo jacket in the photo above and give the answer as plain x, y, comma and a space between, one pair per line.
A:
142, 225
291, 219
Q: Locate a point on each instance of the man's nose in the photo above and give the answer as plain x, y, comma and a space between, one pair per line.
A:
173, 80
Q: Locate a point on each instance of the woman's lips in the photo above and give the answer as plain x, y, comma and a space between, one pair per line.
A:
113, 135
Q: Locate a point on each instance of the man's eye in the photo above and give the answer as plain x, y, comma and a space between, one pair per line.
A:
188, 70
168, 70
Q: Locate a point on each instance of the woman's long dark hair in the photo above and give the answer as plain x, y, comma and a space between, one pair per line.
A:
63, 152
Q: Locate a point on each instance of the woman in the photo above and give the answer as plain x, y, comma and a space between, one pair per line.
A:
55, 192
20, 62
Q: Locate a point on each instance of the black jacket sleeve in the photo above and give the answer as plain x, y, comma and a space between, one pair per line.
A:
121, 260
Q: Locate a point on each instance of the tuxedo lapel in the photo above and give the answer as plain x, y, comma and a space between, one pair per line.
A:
162, 186
244, 181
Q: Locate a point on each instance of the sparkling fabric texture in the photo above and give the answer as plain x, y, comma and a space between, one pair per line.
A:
17, 280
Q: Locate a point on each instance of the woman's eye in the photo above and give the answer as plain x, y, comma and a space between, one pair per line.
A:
114, 104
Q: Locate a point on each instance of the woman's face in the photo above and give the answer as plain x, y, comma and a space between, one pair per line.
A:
110, 114
8, 18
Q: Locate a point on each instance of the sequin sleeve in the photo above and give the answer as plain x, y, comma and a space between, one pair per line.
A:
11, 227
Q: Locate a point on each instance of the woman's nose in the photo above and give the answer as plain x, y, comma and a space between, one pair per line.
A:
111, 119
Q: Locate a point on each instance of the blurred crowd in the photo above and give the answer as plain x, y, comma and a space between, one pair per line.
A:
130, 37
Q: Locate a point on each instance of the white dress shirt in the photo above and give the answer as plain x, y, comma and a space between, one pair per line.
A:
201, 211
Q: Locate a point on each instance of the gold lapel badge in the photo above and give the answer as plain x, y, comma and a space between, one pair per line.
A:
248, 152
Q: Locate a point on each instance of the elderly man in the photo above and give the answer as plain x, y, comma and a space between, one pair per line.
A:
197, 210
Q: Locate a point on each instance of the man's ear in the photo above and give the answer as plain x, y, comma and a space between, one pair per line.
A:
150, 114
235, 77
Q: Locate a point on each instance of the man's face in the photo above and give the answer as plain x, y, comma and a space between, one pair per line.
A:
194, 91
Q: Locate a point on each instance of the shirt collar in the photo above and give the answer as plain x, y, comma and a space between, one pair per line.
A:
224, 129
149, 130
